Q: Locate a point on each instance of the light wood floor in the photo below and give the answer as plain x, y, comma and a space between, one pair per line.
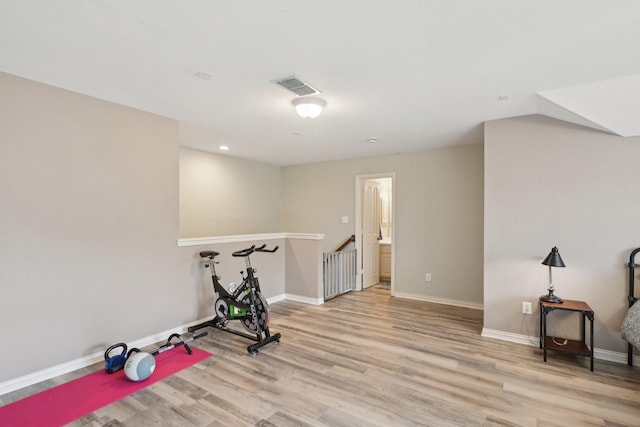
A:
366, 359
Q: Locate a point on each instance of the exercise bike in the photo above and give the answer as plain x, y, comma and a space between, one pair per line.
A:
244, 303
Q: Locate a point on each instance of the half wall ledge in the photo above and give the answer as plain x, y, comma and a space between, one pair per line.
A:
195, 241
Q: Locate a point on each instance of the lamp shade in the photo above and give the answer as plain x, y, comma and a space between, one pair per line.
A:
309, 107
554, 259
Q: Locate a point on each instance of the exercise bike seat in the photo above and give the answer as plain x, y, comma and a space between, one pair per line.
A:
209, 254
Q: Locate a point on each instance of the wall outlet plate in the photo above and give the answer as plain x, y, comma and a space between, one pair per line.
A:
526, 307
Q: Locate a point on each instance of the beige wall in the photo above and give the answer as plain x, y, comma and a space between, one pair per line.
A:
439, 208
89, 222
222, 195
551, 183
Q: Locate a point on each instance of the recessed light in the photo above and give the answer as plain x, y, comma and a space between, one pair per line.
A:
372, 140
203, 76
223, 148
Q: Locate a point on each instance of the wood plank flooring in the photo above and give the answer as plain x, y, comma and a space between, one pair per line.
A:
366, 359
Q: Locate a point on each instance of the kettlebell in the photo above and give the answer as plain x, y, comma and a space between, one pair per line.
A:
115, 363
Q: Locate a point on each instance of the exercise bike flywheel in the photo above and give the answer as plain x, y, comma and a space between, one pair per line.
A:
262, 309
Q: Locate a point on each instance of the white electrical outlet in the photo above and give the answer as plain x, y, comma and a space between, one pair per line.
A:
526, 307
427, 277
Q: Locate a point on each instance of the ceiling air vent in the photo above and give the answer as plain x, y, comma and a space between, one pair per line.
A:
297, 86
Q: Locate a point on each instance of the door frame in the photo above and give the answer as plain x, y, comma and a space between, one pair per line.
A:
358, 224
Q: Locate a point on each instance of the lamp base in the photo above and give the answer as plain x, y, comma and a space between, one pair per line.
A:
550, 297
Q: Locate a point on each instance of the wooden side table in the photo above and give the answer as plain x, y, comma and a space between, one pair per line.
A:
571, 346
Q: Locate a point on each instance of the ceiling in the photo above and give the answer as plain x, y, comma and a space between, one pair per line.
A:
413, 74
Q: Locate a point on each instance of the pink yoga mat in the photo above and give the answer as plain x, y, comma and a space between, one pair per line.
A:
70, 401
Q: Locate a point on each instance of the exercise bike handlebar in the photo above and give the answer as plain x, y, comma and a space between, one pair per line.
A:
252, 249
245, 252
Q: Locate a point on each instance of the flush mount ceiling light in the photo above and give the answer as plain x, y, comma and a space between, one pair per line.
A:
309, 107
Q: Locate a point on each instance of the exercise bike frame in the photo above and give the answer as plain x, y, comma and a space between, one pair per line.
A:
249, 287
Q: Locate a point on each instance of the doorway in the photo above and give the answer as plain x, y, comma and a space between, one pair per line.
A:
375, 230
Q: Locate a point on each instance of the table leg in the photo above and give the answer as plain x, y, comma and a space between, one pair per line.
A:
544, 334
591, 339
540, 330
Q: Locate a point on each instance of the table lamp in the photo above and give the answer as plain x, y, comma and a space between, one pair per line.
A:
552, 260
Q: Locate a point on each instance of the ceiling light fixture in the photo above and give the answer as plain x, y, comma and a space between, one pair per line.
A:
309, 107
203, 76
223, 148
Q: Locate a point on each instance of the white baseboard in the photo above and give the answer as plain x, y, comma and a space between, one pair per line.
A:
45, 374
306, 300
277, 298
72, 365
598, 353
612, 356
438, 300
297, 298
511, 337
